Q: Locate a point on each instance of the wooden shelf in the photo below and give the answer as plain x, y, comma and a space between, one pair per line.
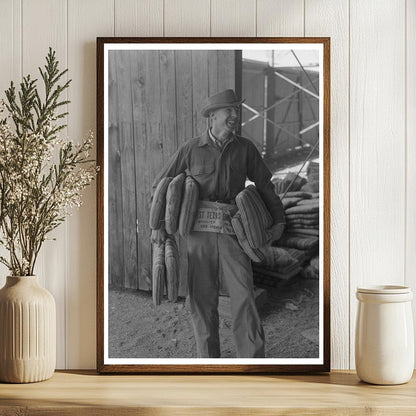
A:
86, 393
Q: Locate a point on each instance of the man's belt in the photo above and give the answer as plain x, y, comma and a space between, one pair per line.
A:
214, 217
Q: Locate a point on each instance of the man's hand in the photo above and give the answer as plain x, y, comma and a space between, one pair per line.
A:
275, 232
159, 236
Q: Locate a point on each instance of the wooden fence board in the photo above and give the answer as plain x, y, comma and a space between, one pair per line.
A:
127, 168
168, 104
226, 70
154, 139
212, 72
183, 65
115, 208
200, 89
142, 173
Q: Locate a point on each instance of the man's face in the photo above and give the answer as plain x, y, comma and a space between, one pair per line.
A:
225, 119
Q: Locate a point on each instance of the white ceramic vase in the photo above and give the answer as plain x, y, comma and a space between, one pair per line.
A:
384, 338
27, 331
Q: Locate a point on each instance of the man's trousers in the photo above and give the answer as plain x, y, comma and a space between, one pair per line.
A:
212, 256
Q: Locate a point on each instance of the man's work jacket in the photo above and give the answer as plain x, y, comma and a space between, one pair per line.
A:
222, 173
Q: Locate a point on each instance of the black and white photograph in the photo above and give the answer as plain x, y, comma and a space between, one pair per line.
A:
214, 214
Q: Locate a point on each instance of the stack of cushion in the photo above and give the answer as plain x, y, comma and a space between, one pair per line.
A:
173, 203
165, 270
255, 216
174, 207
157, 209
278, 264
158, 272
301, 237
312, 270
255, 254
291, 179
302, 215
172, 268
251, 223
299, 242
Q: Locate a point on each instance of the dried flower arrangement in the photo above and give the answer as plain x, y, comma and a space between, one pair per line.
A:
41, 175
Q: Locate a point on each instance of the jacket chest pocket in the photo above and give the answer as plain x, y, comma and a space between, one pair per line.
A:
203, 174
202, 169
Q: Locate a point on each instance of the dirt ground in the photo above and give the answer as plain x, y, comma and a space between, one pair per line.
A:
138, 329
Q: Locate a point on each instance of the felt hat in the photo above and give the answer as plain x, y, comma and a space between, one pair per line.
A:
226, 98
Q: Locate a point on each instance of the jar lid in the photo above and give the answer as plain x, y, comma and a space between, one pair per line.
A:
384, 289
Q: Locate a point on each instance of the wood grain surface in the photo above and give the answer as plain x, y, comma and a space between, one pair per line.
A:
82, 393
377, 150
410, 259
51, 264
85, 18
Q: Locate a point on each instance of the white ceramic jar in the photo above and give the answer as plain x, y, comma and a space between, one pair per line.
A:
384, 340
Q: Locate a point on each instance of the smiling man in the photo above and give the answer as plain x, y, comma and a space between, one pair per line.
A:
220, 161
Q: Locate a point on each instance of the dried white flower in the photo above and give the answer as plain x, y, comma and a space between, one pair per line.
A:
42, 175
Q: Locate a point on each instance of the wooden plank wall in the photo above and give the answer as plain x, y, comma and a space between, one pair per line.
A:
373, 153
155, 105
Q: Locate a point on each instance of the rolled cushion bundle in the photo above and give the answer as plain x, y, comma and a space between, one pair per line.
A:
255, 217
299, 255
312, 270
300, 221
291, 179
158, 272
173, 203
290, 202
303, 209
273, 277
314, 202
157, 209
255, 254
297, 194
303, 232
303, 218
277, 258
301, 243
172, 268
189, 206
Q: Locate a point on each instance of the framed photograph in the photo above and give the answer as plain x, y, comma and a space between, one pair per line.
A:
213, 222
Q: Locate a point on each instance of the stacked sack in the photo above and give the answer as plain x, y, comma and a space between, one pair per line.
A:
301, 213
174, 207
165, 271
312, 174
301, 237
291, 179
251, 223
311, 271
278, 265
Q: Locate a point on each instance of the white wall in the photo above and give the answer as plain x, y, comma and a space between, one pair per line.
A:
373, 127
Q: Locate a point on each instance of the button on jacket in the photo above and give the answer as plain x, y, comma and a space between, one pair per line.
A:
221, 173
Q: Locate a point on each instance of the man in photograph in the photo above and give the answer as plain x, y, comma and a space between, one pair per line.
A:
221, 161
